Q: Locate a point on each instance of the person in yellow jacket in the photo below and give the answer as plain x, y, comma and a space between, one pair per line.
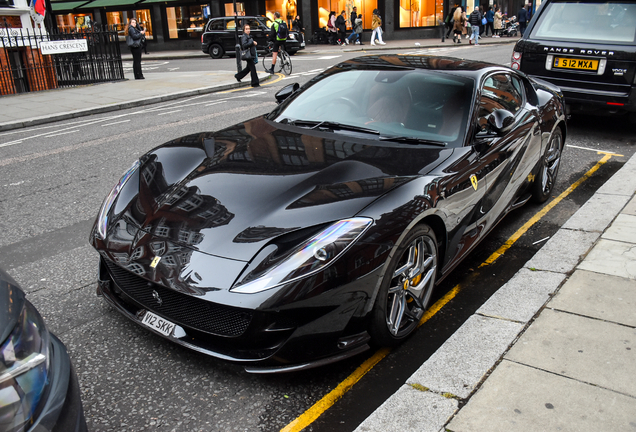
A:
376, 26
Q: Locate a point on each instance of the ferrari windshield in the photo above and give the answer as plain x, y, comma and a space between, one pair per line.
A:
608, 22
410, 105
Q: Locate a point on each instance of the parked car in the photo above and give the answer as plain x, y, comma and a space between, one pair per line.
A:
300, 237
38, 385
588, 49
218, 39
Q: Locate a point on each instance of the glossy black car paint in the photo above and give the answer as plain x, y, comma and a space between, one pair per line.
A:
213, 204
613, 91
60, 410
217, 40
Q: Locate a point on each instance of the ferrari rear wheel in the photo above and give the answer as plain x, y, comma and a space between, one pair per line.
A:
406, 288
545, 180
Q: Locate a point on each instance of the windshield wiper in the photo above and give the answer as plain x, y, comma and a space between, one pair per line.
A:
412, 140
333, 126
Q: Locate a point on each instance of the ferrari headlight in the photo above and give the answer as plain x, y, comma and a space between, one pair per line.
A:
24, 370
310, 257
102, 219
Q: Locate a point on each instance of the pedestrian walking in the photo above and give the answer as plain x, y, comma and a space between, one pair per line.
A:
522, 19
497, 23
134, 35
490, 20
249, 44
341, 26
450, 20
376, 26
475, 22
459, 24
355, 35
331, 28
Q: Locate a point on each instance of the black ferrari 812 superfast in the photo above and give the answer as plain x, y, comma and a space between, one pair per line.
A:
304, 236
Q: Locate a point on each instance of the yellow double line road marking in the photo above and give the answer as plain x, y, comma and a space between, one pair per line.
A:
309, 416
279, 76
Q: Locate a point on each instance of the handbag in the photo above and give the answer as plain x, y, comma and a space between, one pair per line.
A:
484, 21
246, 54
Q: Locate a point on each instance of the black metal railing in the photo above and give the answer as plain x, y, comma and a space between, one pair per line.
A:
24, 67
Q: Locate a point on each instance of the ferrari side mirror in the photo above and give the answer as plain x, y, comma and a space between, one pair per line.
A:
286, 92
500, 119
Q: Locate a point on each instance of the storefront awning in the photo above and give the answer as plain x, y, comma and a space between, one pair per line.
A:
107, 3
58, 6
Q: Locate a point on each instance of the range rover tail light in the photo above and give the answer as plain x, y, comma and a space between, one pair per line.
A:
516, 60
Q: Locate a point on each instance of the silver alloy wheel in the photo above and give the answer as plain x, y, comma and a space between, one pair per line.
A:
551, 162
411, 286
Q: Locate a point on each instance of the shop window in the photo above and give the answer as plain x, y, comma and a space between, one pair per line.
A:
421, 13
365, 8
185, 22
120, 19
288, 9
82, 21
229, 9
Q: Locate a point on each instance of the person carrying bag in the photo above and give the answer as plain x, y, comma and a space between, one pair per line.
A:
248, 54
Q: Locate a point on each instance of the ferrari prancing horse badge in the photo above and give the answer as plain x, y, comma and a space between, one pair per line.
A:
473, 180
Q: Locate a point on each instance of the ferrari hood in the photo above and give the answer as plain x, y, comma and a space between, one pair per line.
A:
229, 193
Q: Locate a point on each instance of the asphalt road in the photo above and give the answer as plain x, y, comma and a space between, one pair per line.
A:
53, 182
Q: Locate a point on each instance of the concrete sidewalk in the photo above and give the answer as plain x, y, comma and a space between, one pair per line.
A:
553, 349
30, 109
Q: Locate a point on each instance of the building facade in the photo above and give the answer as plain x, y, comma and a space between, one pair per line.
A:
178, 24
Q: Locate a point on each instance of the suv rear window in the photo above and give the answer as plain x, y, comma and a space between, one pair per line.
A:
604, 22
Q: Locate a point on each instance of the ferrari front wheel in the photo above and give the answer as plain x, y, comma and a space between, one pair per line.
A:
406, 288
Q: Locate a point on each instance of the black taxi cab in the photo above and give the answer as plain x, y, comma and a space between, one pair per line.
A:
218, 39
588, 49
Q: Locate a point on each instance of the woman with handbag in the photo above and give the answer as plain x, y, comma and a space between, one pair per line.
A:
133, 39
459, 21
248, 54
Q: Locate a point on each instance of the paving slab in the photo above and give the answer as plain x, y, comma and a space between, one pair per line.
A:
563, 251
601, 296
459, 365
586, 349
597, 213
522, 296
621, 183
410, 410
623, 229
630, 208
518, 398
613, 258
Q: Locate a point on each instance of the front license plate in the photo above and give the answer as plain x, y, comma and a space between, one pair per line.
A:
302, 44
574, 63
157, 323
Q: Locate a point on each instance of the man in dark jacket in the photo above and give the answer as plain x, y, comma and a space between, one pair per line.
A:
450, 21
475, 21
522, 18
341, 25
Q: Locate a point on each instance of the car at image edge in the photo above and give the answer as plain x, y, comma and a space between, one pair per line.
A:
588, 49
39, 391
304, 236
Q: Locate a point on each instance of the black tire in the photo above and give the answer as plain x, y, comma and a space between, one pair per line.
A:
216, 51
267, 61
549, 168
398, 310
285, 63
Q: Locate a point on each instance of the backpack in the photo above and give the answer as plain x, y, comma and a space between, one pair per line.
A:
282, 31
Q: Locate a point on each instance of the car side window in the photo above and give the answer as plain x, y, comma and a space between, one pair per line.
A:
498, 92
253, 23
216, 25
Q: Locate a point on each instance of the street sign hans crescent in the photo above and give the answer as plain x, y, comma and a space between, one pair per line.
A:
67, 46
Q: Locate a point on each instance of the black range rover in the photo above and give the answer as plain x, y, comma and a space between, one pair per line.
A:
588, 49
218, 37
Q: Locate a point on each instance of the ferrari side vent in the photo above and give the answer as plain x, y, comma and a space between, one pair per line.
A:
180, 308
